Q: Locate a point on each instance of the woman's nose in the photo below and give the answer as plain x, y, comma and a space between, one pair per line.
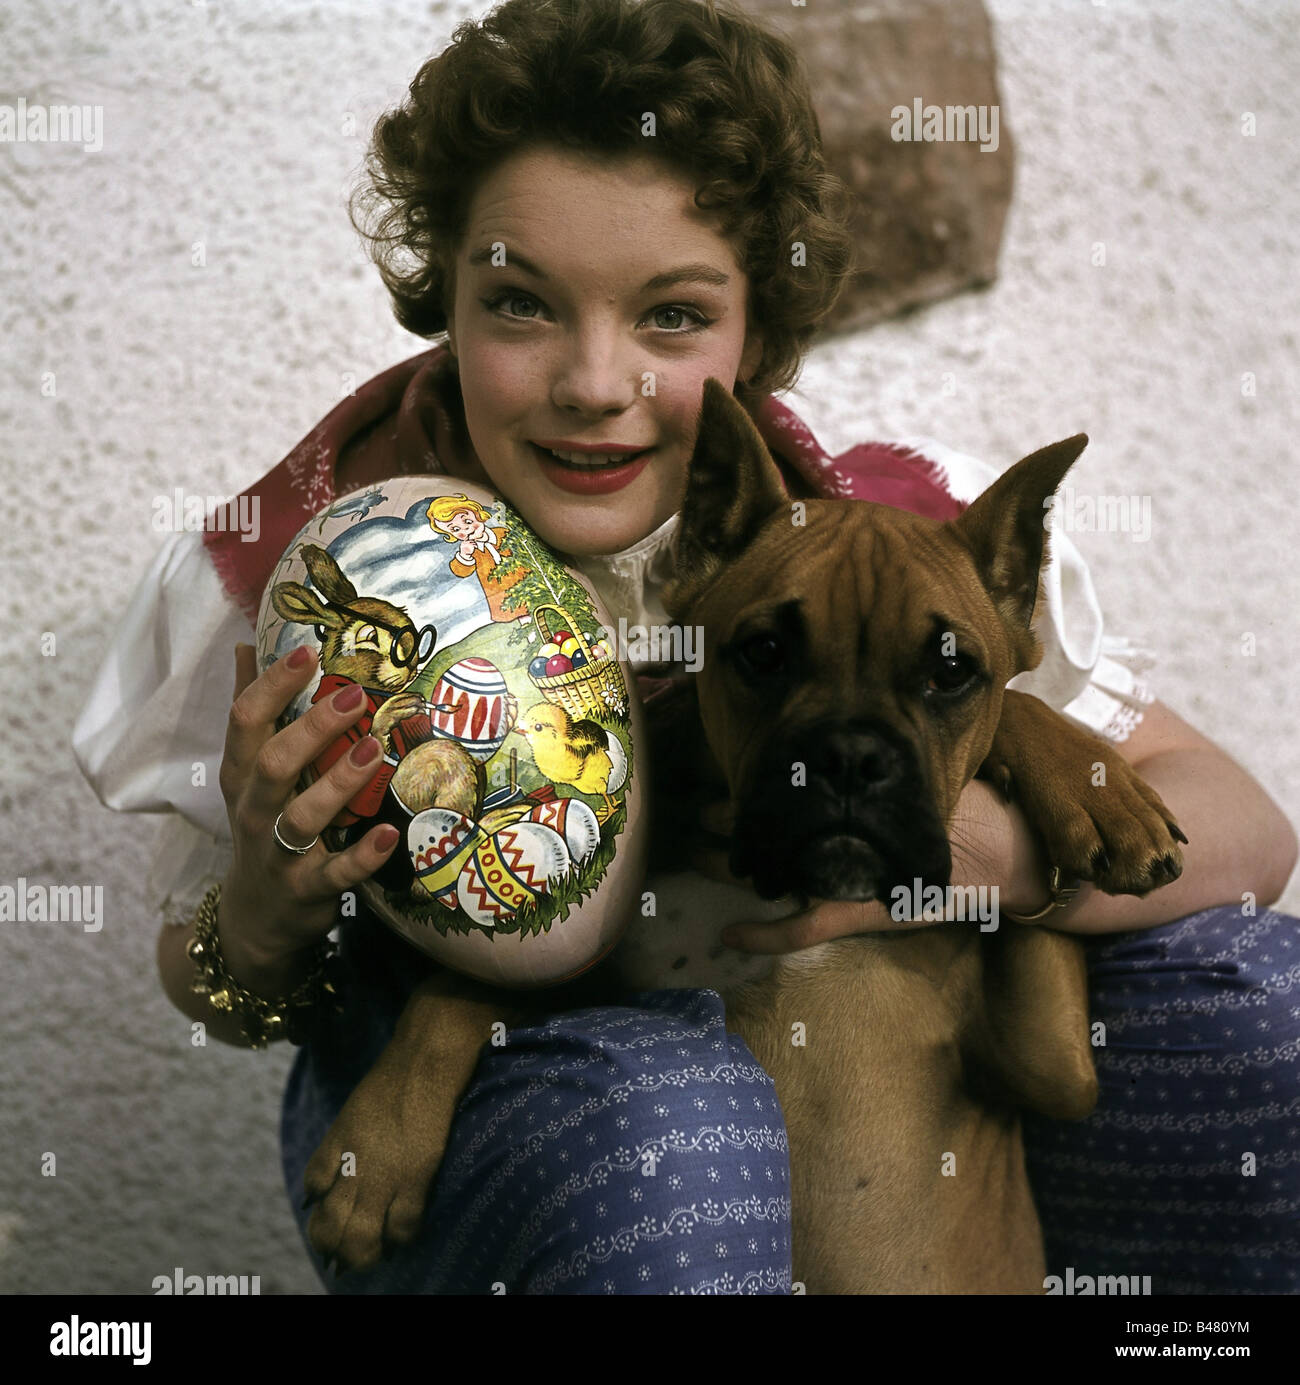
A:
597, 377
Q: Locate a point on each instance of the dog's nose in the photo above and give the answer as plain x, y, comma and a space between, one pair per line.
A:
849, 759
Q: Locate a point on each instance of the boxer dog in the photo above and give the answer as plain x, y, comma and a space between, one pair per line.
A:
855, 663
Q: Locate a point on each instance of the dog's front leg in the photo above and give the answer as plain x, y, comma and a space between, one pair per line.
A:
373, 1171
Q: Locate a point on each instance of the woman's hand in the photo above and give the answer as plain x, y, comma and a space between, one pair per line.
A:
822, 921
274, 903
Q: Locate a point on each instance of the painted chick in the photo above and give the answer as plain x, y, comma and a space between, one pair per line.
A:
581, 753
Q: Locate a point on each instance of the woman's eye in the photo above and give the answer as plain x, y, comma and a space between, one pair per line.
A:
510, 296
699, 320
509, 299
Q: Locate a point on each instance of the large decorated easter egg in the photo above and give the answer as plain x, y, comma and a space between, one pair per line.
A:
509, 769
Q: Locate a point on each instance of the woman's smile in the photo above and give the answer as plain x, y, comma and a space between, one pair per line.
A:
599, 475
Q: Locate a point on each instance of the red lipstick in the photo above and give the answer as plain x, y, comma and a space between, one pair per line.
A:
596, 480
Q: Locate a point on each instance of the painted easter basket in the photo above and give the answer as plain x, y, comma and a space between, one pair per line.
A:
597, 687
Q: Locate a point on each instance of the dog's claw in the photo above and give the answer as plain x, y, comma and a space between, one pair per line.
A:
1100, 860
1176, 832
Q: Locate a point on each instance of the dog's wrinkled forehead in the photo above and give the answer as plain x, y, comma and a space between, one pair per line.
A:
859, 591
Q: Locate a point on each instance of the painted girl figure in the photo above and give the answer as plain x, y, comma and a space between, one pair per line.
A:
480, 550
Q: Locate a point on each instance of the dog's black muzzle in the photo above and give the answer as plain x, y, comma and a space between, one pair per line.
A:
839, 809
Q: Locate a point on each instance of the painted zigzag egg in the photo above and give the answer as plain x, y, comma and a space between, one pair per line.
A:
511, 868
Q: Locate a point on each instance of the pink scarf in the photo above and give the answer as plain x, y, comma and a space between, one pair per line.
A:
409, 416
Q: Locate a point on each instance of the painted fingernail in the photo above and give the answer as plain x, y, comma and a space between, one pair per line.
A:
386, 837
347, 699
364, 751
301, 657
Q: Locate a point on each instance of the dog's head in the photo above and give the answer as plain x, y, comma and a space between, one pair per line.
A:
854, 657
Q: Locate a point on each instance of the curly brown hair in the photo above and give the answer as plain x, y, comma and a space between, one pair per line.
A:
732, 111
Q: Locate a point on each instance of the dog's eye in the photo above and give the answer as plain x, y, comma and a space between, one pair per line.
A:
762, 654
951, 676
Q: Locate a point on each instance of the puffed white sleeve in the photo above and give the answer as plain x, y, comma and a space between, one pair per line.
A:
1093, 677
151, 735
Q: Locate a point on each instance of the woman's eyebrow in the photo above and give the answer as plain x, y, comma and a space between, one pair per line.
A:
698, 273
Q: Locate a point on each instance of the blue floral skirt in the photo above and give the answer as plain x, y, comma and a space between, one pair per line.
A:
639, 1148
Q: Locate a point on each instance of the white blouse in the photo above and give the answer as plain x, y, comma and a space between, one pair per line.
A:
151, 735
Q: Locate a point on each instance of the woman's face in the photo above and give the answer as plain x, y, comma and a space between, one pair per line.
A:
562, 337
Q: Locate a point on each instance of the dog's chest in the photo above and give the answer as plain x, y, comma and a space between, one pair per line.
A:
679, 944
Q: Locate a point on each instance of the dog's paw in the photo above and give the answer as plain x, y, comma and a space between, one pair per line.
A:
1104, 823
1120, 835
370, 1181
1098, 818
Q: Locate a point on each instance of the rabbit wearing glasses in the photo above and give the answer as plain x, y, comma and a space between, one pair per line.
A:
375, 644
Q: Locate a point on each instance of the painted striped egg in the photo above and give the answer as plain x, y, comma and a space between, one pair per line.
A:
476, 692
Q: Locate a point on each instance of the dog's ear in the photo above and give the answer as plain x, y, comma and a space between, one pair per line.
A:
732, 487
1006, 528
